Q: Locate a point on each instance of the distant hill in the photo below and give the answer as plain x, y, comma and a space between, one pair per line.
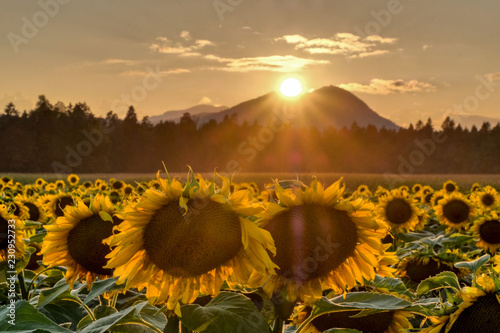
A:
327, 106
197, 110
467, 121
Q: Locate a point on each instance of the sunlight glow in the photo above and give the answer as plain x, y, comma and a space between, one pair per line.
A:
291, 87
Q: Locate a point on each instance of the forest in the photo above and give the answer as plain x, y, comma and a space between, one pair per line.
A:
71, 139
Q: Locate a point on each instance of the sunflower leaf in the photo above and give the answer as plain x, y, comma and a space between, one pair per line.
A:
473, 265
26, 317
105, 216
59, 290
227, 312
440, 281
100, 287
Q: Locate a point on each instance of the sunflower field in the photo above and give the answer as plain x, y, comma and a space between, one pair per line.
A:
212, 255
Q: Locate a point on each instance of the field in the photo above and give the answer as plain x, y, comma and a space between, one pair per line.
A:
261, 253
352, 180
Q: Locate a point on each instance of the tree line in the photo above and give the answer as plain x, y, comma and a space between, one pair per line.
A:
65, 139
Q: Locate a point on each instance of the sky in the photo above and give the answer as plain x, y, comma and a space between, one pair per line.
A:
408, 59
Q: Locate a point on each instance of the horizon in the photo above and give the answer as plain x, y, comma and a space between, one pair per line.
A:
407, 61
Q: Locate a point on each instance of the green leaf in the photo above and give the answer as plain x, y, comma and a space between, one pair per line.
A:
104, 324
105, 216
363, 300
473, 265
60, 291
50, 294
38, 238
64, 311
442, 280
128, 320
227, 312
27, 317
100, 287
342, 330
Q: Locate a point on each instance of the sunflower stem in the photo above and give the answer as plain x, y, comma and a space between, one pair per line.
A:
113, 300
278, 325
34, 279
89, 311
22, 285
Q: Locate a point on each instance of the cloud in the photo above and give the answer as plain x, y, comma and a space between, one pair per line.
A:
185, 35
162, 73
344, 43
274, 63
386, 87
164, 45
493, 77
205, 100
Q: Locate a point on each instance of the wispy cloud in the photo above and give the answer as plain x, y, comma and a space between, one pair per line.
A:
188, 46
493, 77
275, 63
344, 43
386, 87
162, 73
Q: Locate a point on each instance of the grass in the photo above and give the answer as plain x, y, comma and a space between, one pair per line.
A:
352, 180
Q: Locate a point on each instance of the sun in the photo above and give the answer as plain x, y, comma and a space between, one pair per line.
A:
291, 87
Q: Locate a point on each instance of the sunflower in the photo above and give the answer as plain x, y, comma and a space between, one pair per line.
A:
87, 185
179, 242
73, 179
398, 211
60, 184
117, 185
40, 182
455, 210
386, 262
437, 196
57, 203
363, 190
7, 227
19, 210
381, 192
75, 240
450, 186
419, 267
7, 181
416, 188
487, 232
477, 312
404, 189
487, 198
475, 187
322, 243
128, 189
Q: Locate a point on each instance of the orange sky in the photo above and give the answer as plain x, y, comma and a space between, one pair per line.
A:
407, 60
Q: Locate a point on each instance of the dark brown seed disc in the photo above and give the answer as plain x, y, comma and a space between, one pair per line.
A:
450, 187
398, 211
61, 203
33, 211
206, 237
489, 231
417, 271
312, 240
487, 200
85, 244
456, 211
374, 323
481, 316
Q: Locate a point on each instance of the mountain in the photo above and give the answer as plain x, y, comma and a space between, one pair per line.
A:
197, 110
467, 121
327, 106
